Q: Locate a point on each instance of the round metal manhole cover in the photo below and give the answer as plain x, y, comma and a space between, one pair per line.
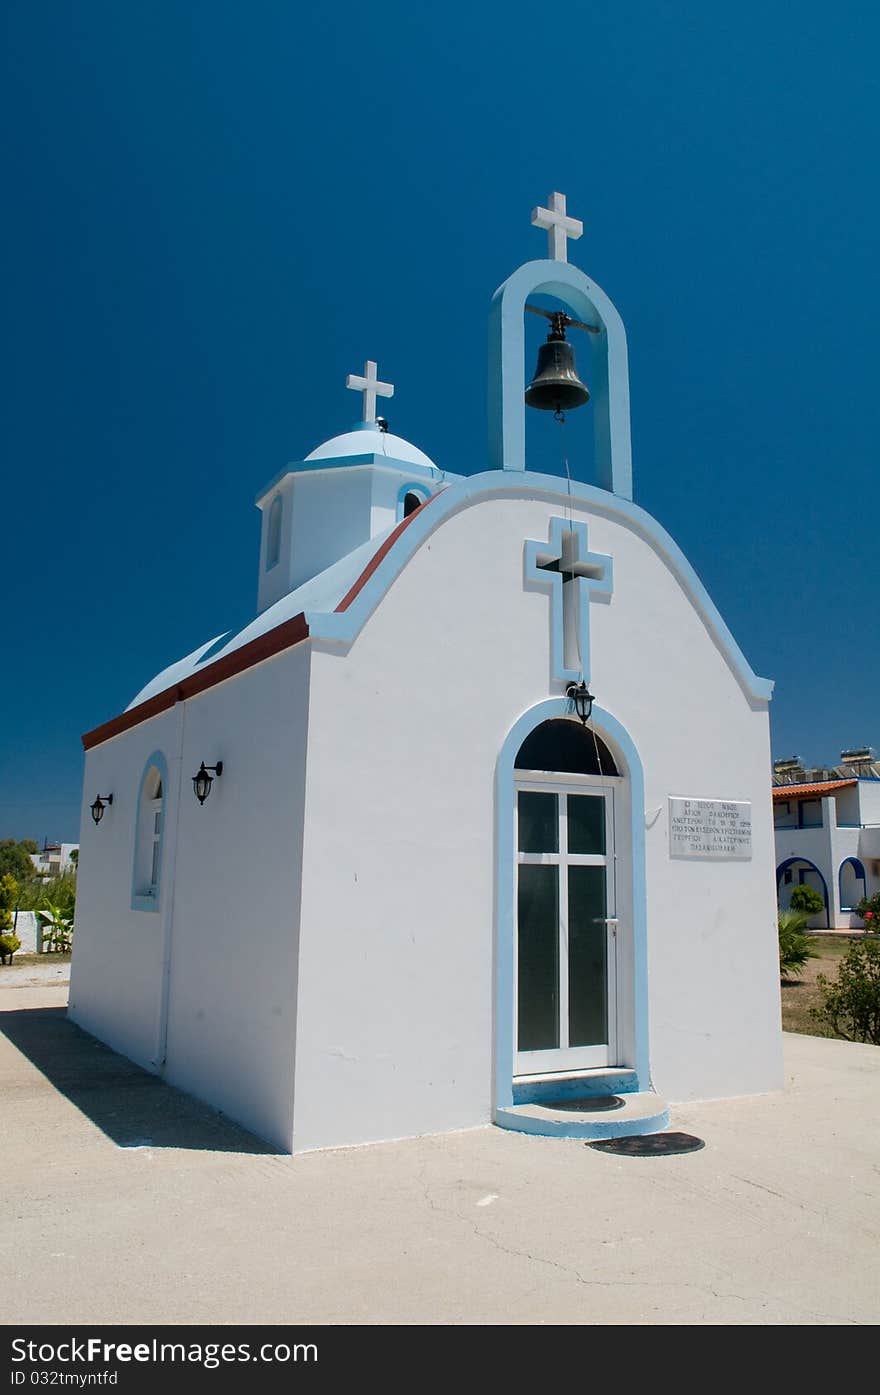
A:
650, 1145
587, 1104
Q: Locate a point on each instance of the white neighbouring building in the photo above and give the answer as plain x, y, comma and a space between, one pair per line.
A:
421, 895
828, 837
55, 858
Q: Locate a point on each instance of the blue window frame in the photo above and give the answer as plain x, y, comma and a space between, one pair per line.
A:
149, 835
809, 813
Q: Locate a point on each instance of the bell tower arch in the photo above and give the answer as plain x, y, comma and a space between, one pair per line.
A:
610, 400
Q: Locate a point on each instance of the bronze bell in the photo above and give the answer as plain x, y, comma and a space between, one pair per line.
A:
556, 386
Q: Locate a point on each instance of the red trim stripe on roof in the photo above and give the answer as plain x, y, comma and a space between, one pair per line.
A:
274, 641
265, 646
379, 557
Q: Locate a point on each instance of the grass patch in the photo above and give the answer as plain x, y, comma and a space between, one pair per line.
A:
20, 960
801, 994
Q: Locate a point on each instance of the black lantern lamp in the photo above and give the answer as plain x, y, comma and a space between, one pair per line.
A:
583, 700
100, 805
203, 779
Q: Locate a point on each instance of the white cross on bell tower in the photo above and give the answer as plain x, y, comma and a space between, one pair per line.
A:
560, 227
371, 387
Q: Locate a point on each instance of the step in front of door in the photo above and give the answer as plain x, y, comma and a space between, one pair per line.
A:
609, 1080
637, 1113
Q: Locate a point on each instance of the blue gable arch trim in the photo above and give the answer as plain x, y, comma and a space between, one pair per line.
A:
342, 627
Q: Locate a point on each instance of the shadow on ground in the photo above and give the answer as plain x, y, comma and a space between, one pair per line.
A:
132, 1107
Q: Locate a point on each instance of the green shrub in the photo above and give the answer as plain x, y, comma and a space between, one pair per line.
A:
851, 1004
8, 898
8, 945
795, 946
57, 891
805, 898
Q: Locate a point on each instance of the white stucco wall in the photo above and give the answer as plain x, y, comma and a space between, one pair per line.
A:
395, 1029
848, 805
26, 929
869, 802
233, 972
230, 929
116, 970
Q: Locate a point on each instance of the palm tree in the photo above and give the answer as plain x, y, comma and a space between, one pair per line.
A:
794, 943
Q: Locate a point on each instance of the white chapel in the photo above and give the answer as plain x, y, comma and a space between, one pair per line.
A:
483, 786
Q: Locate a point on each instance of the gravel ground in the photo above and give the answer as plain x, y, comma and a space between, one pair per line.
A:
50, 969
134, 1203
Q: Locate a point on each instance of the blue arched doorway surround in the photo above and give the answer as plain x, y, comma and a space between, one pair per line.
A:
629, 764
850, 873
805, 863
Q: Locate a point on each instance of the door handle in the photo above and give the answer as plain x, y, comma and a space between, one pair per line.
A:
608, 920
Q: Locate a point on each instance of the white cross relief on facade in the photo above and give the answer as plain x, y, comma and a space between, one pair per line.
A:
560, 227
371, 388
573, 575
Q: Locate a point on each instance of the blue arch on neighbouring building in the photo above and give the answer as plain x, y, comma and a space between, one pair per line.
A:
630, 765
789, 862
859, 869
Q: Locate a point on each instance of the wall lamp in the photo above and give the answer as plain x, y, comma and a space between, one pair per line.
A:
583, 700
100, 805
203, 779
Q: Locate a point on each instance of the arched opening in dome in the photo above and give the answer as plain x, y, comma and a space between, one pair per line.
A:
410, 497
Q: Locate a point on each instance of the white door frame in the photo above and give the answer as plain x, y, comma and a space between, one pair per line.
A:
565, 1057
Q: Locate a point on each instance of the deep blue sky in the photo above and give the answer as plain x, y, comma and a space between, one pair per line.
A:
214, 211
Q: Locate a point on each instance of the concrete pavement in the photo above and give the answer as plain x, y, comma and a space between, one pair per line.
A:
126, 1201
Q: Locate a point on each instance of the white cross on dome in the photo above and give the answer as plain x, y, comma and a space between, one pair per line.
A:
371, 387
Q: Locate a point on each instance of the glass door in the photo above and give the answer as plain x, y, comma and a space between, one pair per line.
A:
566, 928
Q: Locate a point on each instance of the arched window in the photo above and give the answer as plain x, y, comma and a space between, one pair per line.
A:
149, 836
273, 533
851, 880
567, 747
